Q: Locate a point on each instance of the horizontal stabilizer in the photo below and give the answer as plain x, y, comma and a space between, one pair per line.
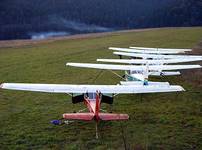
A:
79, 116
109, 116
165, 73
141, 83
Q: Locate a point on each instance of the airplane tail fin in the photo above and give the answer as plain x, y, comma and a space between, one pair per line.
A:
110, 116
79, 116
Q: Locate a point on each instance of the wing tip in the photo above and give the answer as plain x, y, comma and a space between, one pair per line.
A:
181, 88
68, 64
1, 85
197, 66
178, 88
116, 52
112, 48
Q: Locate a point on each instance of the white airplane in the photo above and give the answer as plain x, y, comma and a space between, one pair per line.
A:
159, 56
162, 49
144, 51
137, 73
92, 96
149, 61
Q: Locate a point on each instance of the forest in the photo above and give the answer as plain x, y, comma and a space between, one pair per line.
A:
24, 19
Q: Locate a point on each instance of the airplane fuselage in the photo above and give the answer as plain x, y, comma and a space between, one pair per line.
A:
93, 103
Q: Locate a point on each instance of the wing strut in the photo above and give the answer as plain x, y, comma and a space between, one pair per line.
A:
117, 74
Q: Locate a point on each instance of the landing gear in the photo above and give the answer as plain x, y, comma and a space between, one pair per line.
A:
110, 108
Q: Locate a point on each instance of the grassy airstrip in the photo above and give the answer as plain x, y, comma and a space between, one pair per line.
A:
157, 121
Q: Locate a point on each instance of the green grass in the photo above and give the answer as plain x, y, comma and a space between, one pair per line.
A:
157, 121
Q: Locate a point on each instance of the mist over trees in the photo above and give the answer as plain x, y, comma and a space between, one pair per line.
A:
24, 18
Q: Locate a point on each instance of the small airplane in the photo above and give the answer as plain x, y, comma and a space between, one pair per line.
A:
92, 96
159, 56
149, 61
163, 49
138, 72
145, 51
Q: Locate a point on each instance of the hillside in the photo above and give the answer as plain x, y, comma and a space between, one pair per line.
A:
157, 121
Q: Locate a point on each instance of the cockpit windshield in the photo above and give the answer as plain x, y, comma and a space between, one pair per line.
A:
91, 96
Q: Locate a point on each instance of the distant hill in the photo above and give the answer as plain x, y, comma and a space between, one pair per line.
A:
39, 19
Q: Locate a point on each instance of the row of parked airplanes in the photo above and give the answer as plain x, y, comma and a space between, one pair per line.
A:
142, 63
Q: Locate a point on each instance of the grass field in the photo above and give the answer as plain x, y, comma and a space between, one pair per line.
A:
157, 121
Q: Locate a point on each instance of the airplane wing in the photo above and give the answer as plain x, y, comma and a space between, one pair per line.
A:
69, 88
106, 66
125, 61
173, 67
143, 61
144, 51
163, 49
158, 56
133, 67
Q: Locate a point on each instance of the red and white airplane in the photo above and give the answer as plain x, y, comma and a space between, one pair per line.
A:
92, 96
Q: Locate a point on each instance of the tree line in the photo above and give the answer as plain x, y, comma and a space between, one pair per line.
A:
19, 18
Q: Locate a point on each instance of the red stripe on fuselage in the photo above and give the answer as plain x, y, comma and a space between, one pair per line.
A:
93, 105
97, 105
